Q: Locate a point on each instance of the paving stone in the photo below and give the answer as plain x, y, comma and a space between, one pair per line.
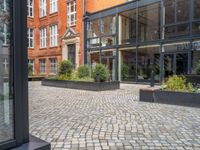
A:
78, 120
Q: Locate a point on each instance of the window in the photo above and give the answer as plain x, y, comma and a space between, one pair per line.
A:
30, 38
43, 8
53, 6
169, 11
5, 34
196, 28
72, 53
127, 27
53, 64
54, 35
5, 65
71, 13
183, 10
43, 38
42, 66
149, 23
196, 9
30, 8
32, 63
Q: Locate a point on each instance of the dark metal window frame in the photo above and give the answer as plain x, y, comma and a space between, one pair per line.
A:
19, 74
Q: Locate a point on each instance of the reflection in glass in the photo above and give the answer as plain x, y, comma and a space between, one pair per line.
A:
148, 60
128, 65
183, 10
195, 61
6, 97
149, 23
196, 28
127, 27
93, 29
108, 41
169, 6
196, 9
108, 25
95, 58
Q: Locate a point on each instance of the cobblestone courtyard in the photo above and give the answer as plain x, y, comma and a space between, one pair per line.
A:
82, 120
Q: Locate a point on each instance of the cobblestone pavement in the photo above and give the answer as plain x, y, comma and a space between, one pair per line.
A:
82, 120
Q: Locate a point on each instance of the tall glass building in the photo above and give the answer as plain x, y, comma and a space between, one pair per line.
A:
135, 38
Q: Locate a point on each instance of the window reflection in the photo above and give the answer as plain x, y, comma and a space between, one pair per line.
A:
93, 29
6, 97
183, 10
196, 9
149, 23
127, 27
196, 28
169, 11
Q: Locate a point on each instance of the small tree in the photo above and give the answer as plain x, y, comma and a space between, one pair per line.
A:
83, 71
66, 68
125, 71
30, 69
100, 73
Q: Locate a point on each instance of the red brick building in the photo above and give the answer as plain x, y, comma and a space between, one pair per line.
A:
55, 31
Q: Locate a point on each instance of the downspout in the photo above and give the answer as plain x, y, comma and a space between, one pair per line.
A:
83, 27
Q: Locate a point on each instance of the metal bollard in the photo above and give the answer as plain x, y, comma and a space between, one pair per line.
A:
152, 79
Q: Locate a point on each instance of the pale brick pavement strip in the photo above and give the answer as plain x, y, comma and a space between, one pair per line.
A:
82, 120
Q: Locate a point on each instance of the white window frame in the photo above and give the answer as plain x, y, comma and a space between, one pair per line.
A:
53, 65
71, 14
6, 65
43, 38
30, 5
53, 6
5, 34
32, 62
43, 9
42, 66
53, 35
30, 38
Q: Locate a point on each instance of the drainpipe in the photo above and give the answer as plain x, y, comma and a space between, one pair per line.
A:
83, 26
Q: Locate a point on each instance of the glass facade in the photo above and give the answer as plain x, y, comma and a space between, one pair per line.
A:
6, 76
140, 36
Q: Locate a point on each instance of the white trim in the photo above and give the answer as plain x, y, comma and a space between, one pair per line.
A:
30, 5
43, 38
53, 6
71, 13
54, 35
43, 10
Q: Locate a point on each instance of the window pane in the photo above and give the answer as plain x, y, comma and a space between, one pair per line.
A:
196, 9
196, 28
149, 23
183, 10
169, 11
108, 25
93, 29
127, 27
72, 53
6, 77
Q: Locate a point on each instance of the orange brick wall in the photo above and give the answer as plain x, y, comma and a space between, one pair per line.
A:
97, 5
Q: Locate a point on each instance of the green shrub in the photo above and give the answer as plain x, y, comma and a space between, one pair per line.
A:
102, 72
66, 68
198, 68
125, 71
177, 83
83, 72
30, 69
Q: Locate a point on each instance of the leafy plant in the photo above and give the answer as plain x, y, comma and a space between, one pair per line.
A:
83, 72
100, 73
65, 69
30, 69
178, 83
198, 68
125, 71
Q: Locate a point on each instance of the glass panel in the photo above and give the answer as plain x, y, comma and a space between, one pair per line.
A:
127, 27
196, 28
168, 65
169, 11
149, 23
148, 60
183, 10
195, 62
196, 9
72, 53
6, 94
108, 41
93, 29
182, 64
95, 59
108, 59
93, 43
108, 25
128, 65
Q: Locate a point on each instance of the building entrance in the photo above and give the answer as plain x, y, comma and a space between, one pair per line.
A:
175, 63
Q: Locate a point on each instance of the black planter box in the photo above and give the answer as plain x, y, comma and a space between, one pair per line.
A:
35, 78
81, 85
195, 79
168, 97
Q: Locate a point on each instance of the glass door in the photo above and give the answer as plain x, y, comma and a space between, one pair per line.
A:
168, 65
182, 64
6, 94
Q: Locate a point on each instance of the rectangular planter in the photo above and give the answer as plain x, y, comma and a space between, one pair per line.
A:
81, 85
195, 79
169, 97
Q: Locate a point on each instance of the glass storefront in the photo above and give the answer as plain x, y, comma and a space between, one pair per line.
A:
6, 94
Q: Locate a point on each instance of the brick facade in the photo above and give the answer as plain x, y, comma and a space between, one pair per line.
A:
60, 18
